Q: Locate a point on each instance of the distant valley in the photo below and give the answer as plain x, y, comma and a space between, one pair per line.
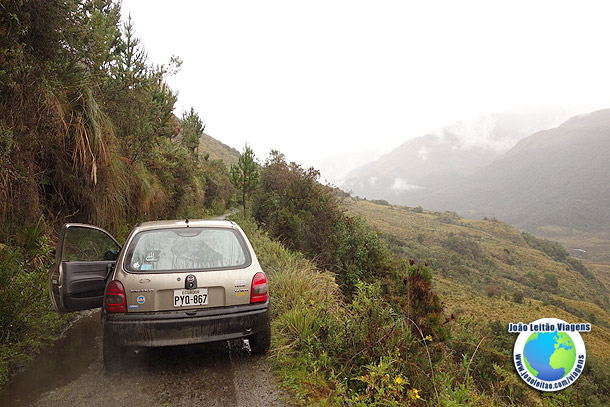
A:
483, 267
553, 183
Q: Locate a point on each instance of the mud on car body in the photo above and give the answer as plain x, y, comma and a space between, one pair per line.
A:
172, 283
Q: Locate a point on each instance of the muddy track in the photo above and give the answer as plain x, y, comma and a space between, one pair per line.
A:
71, 374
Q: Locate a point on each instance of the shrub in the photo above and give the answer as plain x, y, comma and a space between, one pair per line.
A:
293, 207
493, 291
26, 317
518, 297
380, 202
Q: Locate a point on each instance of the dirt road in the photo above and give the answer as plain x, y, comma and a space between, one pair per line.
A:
72, 374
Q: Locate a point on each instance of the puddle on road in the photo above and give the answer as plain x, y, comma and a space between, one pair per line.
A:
68, 358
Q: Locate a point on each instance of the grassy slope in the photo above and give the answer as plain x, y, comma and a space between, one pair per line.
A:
483, 284
298, 291
217, 150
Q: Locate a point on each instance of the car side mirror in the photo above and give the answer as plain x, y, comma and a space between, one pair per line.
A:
111, 255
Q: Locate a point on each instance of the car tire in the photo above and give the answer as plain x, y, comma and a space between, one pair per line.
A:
260, 342
113, 355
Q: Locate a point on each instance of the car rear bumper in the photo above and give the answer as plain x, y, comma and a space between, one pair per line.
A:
170, 328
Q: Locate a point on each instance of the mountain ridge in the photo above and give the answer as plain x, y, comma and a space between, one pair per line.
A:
552, 177
551, 183
458, 148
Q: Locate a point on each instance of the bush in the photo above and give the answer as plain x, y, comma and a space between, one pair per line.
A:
518, 297
493, 291
26, 316
381, 202
293, 207
464, 246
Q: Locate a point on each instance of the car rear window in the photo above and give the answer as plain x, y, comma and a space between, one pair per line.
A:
186, 249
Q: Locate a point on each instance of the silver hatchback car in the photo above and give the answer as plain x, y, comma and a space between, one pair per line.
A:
172, 283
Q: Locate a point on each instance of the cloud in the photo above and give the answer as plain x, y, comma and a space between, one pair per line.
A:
423, 153
401, 185
478, 133
468, 134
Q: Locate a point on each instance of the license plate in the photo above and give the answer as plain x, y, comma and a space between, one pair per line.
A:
187, 298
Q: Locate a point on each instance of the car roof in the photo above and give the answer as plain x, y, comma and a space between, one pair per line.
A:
163, 224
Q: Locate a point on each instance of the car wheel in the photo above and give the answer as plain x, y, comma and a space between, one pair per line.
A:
113, 355
261, 342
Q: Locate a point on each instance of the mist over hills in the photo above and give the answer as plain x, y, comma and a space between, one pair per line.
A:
556, 178
553, 182
458, 148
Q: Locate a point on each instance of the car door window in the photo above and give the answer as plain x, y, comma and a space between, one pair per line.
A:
86, 244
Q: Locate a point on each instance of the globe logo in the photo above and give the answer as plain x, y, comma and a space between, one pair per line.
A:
549, 354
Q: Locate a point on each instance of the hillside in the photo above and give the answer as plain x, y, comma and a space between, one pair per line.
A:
490, 270
217, 150
553, 184
378, 335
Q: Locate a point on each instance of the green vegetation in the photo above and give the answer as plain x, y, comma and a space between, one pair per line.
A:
327, 349
87, 134
384, 340
557, 252
244, 175
488, 271
88, 131
293, 207
368, 350
25, 321
489, 257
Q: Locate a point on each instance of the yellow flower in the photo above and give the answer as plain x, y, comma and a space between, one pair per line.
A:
416, 393
372, 373
398, 380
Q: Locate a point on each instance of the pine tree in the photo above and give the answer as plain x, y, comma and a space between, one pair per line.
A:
244, 175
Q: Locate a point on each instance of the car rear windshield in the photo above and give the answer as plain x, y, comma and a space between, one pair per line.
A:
186, 249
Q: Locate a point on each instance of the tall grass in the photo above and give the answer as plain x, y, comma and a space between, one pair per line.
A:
323, 344
27, 320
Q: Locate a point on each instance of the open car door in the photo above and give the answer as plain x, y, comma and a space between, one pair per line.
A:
84, 259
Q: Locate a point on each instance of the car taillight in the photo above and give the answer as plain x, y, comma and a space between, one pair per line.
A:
260, 291
114, 300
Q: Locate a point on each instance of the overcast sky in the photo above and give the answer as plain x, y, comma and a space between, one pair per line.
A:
318, 78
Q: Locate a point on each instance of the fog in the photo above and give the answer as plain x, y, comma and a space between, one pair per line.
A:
357, 79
